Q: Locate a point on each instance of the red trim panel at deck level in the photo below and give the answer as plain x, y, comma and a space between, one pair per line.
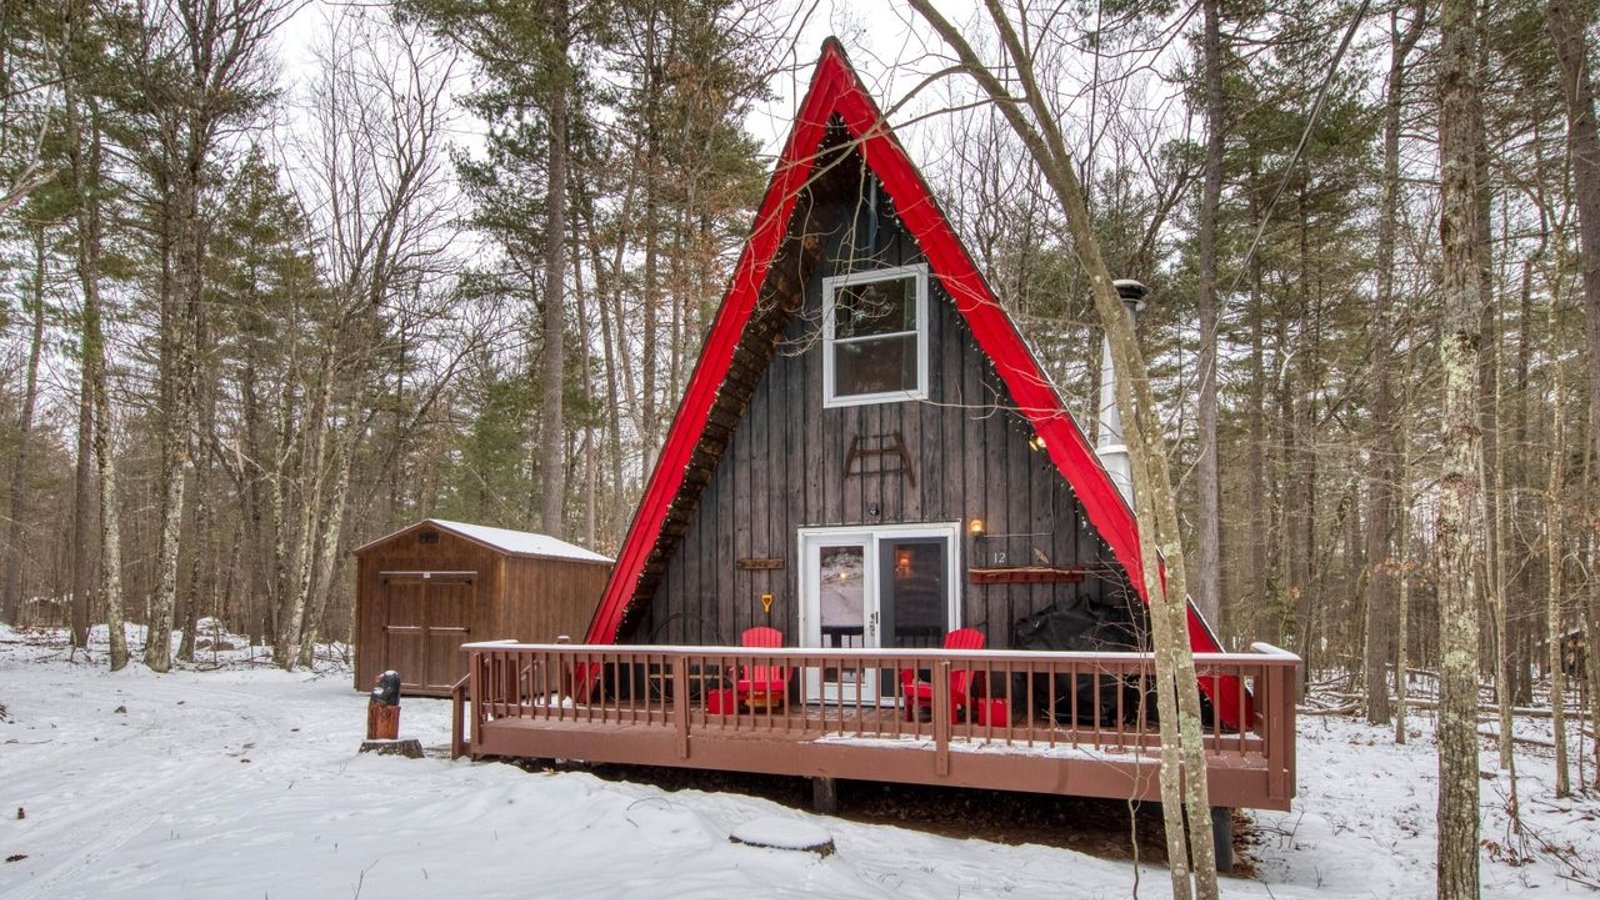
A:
836, 90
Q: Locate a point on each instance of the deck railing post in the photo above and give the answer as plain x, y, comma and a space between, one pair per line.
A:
941, 718
1280, 692
680, 702
475, 697
458, 744
1286, 730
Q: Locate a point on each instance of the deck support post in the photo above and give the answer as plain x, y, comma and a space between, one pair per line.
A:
1222, 836
824, 796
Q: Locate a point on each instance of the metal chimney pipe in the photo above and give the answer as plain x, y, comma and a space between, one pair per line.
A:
1111, 448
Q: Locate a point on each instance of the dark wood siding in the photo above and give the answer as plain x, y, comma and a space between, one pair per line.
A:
784, 469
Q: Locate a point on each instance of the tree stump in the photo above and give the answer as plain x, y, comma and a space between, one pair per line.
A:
784, 834
410, 748
383, 721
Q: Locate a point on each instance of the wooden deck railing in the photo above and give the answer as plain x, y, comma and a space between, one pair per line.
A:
1065, 705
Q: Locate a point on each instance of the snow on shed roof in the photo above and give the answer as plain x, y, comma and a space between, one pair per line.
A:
516, 543
521, 543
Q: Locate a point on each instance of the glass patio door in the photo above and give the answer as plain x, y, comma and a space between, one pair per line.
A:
867, 589
841, 602
913, 592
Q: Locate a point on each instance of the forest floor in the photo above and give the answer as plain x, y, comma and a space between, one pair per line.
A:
232, 778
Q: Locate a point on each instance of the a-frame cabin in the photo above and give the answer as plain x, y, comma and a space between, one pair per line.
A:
864, 406
866, 458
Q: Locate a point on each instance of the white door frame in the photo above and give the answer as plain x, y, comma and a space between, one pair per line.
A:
810, 541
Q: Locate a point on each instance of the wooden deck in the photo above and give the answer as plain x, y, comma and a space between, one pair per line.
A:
669, 706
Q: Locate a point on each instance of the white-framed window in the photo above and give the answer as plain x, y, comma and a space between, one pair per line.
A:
875, 336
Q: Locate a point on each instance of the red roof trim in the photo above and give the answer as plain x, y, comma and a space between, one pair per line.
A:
835, 89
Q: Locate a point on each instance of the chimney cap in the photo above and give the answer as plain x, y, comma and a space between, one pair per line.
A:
1132, 292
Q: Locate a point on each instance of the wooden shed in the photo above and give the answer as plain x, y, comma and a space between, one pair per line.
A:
424, 590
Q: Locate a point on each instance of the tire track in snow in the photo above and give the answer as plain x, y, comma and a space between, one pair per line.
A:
94, 833
85, 837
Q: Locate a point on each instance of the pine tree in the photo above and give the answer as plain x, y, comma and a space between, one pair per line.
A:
1459, 527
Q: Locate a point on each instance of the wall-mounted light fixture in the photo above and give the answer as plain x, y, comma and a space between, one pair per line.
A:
902, 562
1036, 442
975, 528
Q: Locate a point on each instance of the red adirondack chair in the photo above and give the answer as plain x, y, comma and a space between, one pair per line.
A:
918, 694
762, 686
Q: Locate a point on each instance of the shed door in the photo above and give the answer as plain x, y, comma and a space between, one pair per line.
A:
405, 647
426, 620
449, 611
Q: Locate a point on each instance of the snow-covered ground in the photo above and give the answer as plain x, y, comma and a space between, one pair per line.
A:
244, 782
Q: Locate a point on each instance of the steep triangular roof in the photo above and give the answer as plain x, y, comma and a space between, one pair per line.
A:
837, 95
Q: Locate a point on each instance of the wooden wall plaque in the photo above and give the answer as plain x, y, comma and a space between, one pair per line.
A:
1026, 575
757, 564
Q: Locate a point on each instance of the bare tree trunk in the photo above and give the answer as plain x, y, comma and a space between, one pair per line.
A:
1568, 31
202, 514
1260, 538
110, 530
11, 603
590, 457
553, 430
1382, 486
1492, 475
1458, 528
1591, 621
1208, 539
1494, 490
195, 596
1302, 452
176, 377
652, 240
277, 504
314, 469
1402, 637
1280, 567
83, 530
85, 153
332, 525
250, 458
613, 355
1554, 558
1178, 699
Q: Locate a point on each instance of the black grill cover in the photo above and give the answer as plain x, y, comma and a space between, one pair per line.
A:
1083, 624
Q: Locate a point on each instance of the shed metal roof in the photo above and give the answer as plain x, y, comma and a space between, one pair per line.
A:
515, 543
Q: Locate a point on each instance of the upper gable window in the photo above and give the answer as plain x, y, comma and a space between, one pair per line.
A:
875, 336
